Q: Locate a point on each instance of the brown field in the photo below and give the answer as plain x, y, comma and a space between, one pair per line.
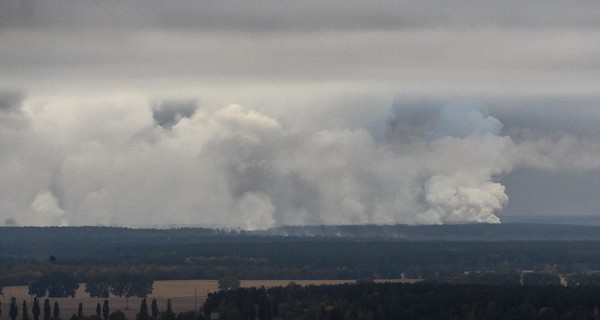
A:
185, 295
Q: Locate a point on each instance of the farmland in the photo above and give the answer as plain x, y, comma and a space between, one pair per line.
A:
185, 295
185, 263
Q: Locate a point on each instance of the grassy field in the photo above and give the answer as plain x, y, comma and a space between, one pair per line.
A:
185, 295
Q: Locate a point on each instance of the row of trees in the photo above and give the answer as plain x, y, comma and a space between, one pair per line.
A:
62, 284
47, 311
102, 312
120, 284
168, 314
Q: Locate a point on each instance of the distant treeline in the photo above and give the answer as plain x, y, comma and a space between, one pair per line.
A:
309, 259
32, 241
404, 301
28, 253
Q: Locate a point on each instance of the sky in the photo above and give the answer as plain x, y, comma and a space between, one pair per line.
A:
256, 114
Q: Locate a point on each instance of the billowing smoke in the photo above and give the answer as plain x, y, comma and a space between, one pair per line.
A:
180, 163
168, 113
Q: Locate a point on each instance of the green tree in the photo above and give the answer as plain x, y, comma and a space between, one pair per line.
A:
47, 309
143, 315
25, 311
98, 310
35, 309
131, 285
105, 310
229, 283
54, 285
154, 308
540, 279
98, 286
56, 310
168, 314
117, 315
13, 312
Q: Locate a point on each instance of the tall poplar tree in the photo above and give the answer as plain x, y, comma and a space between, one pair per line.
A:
25, 311
56, 310
105, 310
143, 315
35, 309
14, 310
154, 309
98, 310
47, 309
169, 314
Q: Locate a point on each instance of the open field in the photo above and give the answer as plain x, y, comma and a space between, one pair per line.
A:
185, 295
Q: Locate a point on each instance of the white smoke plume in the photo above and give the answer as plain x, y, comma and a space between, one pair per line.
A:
180, 163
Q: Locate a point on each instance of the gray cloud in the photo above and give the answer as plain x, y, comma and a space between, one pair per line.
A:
168, 113
560, 192
549, 116
245, 50
12, 120
266, 15
16, 13
10, 102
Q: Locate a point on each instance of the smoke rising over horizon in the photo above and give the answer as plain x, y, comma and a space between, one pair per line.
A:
265, 113
182, 163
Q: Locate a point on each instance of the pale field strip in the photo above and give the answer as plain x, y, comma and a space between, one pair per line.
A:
185, 295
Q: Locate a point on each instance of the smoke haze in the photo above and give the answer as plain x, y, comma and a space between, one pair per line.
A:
259, 114
182, 163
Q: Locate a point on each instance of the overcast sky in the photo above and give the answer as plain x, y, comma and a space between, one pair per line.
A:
254, 114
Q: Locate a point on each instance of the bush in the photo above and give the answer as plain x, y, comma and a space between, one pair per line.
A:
117, 315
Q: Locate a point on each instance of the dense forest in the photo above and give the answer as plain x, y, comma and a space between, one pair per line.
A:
28, 253
34, 241
406, 301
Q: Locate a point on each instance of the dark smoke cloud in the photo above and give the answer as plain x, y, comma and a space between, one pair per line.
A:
10, 102
168, 113
12, 120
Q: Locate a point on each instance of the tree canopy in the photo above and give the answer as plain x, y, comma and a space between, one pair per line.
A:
131, 285
98, 286
54, 285
13, 312
406, 301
